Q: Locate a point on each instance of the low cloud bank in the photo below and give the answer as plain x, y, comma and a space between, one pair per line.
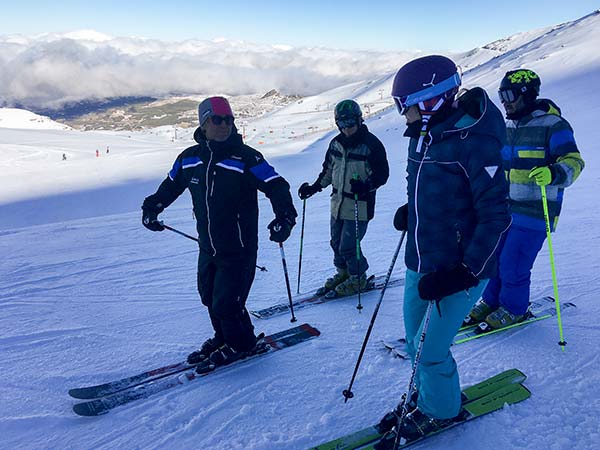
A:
54, 69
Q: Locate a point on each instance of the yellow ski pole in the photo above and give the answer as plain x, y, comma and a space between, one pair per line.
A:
562, 341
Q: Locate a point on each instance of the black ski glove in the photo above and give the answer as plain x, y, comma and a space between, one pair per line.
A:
280, 228
308, 190
401, 218
150, 216
437, 285
359, 186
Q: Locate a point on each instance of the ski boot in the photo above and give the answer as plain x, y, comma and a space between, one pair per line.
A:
499, 318
209, 346
478, 314
351, 286
339, 277
390, 420
225, 355
414, 426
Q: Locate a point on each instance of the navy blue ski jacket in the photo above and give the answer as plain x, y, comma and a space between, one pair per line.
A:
457, 191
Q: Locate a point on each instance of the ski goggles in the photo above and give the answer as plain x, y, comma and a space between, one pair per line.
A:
428, 96
218, 120
346, 123
508, 95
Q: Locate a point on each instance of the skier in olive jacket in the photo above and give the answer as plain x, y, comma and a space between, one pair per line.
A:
355, 164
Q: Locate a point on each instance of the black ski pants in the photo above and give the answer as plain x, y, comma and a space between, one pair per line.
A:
224, 283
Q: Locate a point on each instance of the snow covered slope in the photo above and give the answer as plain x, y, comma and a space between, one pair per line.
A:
89, 300
20, 118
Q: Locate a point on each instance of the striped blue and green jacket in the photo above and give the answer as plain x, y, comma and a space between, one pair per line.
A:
542, 138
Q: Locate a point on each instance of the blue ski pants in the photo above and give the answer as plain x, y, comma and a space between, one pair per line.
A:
517, 252
437, 376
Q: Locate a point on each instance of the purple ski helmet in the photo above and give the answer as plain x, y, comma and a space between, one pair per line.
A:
426, 78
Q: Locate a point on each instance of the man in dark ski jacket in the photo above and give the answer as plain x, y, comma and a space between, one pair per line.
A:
223, 176
456, 213
355, 164
540, 150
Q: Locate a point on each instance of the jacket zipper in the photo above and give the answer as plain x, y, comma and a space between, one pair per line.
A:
208, 170
240, 230
417, 210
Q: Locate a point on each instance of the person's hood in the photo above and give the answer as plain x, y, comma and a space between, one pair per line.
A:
547, 106
471, 112
234, 139
476, 113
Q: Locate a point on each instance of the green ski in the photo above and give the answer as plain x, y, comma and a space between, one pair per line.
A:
482, 398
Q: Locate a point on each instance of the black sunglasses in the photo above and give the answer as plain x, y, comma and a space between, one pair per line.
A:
218, 120
346, 123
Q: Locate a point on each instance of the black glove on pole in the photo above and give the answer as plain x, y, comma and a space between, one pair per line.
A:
401, 218
308, 190
280, 228
437, 285
359, 186
150, 219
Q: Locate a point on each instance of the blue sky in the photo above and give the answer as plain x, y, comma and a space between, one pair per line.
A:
368, 24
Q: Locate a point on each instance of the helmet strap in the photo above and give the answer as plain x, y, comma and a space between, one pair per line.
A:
423, 134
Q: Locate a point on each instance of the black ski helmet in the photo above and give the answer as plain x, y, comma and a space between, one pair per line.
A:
523, 82
423, 79
347, 110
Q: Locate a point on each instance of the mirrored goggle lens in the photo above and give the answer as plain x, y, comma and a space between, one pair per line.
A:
401, 104
218, 120
346, 123
507, 95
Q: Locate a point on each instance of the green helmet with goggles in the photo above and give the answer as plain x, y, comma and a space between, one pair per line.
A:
347, 114
519, 82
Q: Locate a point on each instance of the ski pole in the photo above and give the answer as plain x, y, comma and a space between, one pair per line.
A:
178, 232
262, 268
287, 281
359, 306
411, 382
562, 341
348, 394
301, 244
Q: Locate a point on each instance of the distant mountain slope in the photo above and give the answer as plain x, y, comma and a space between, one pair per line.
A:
20, 118
565, 56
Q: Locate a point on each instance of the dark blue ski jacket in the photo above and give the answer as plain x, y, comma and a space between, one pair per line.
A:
223, 179
457, 191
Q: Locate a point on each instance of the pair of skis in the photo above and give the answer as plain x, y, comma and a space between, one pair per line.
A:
490, 395
104, 397
304, 300
541, 309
